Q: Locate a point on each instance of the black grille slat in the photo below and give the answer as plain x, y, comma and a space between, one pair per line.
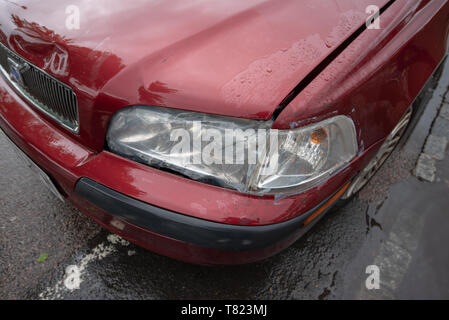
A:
66, 112
36, 90
69, 97
53, 93
40, 87
50, 93
61, 94
45, 92
65, 101
73, 102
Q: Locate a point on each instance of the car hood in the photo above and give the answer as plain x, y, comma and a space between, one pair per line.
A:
236, 58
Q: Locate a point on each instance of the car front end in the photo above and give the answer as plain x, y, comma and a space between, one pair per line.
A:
99, 110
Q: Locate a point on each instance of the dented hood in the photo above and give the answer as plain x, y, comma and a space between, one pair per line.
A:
237, 58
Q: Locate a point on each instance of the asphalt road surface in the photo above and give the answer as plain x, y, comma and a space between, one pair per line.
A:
398, 223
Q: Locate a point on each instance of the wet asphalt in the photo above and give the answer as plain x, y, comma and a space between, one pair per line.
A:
397, 222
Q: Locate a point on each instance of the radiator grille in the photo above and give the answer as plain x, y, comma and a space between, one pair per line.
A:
45, 92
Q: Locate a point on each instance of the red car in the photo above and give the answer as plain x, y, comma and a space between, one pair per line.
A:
93, 93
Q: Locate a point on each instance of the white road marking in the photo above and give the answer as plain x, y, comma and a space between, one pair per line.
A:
72, 280
73, 275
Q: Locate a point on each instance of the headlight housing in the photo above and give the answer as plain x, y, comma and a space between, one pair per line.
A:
246, 155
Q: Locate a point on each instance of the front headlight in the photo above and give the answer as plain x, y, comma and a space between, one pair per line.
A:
246, 155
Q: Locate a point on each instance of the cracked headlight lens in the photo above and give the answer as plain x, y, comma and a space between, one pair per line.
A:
246, 155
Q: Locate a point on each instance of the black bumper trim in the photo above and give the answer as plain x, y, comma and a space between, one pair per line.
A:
185, 228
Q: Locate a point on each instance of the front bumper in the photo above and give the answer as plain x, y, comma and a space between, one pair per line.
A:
166, 213
199, 232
